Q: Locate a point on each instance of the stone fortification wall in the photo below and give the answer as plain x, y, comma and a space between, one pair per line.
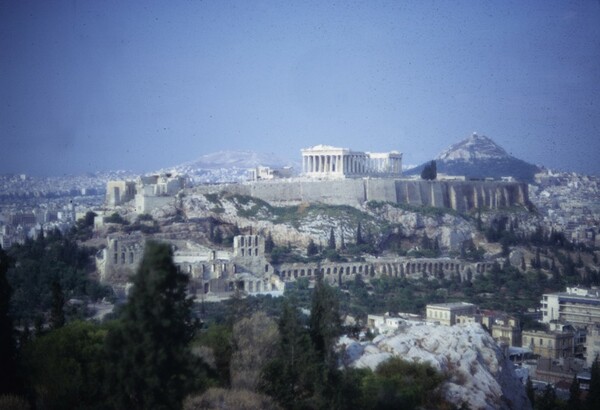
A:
458, 195
336, 192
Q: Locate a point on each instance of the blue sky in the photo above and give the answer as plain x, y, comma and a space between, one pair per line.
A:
140, 85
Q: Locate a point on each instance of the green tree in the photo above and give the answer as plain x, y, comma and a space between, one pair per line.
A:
593, 398
398, 384
217, 236
65, 368
359, 237
218, 339
324, 328
116, 218
311, 249
530, 392
57, 313
88, 219
8, 350
269, 244
324, 323
290, 376
429, 171
331, 241
574, 402
153, 366
547, 400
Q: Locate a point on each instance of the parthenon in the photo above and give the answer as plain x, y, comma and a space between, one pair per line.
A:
324, 161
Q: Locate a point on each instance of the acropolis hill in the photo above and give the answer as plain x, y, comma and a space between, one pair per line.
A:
340, 176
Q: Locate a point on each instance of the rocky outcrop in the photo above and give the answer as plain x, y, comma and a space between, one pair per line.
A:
479, 375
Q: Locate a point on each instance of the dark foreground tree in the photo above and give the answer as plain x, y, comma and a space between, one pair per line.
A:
8, 352
574, 401
65, 368
429, 171
290, 375
57, 313
399, 384
593, 397
153, 367
324, 323
530, 391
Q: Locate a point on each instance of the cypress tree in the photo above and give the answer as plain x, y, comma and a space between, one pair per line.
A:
574, 401
331, 242
57, 313
311, 249
269, 244
291, 374
149, 350
324, 324
429, 171
530, 391
359, 238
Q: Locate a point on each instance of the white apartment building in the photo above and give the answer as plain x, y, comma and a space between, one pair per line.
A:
577, 306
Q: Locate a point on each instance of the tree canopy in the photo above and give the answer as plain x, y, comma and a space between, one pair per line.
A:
150, 347
429, 171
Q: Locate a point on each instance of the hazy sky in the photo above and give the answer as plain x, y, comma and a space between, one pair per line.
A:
139, 85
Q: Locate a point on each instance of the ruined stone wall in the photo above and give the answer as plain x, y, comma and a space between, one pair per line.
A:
145, 204
428, 268
120, 259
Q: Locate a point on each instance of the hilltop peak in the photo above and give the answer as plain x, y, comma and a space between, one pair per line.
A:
472, 148
478, 156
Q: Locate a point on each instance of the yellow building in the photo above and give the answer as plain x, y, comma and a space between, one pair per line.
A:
553, 345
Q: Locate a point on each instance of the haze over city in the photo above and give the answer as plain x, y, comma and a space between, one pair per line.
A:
89, 86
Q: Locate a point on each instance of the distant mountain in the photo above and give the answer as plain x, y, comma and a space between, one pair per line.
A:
480, 157
227, 166
237, 159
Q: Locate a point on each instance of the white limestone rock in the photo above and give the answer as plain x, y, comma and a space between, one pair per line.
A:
479, 375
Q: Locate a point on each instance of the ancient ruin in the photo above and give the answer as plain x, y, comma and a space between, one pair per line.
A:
324, 161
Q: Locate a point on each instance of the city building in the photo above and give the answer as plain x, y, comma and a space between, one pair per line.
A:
450, 313
549, 344
390, 322
577, 306
592, 345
